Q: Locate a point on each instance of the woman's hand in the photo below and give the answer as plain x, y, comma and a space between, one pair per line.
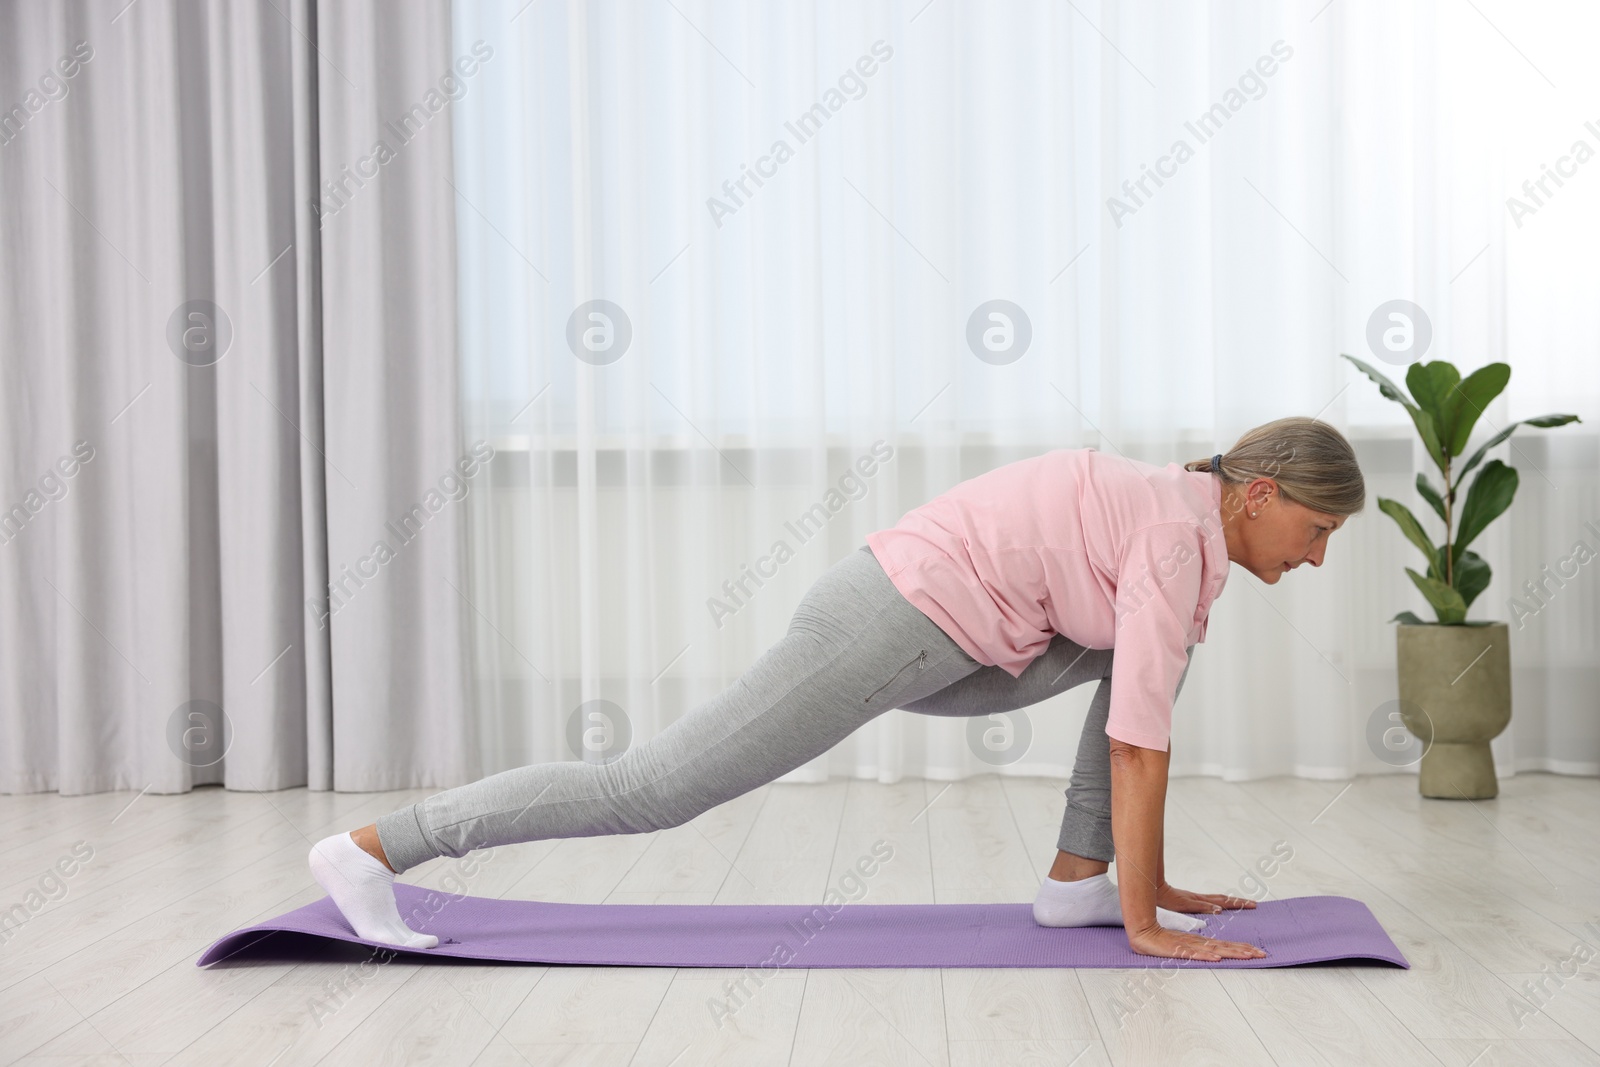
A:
1174, 899
1159, 941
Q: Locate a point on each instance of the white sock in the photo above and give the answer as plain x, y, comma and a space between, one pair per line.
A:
363, 888
1094, 902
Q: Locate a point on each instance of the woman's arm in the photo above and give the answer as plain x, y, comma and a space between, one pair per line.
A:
1138, 807
1161, 831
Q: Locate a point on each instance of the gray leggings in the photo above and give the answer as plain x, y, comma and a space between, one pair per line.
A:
855, 649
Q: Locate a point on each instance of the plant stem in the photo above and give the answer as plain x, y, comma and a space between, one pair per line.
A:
1449, 514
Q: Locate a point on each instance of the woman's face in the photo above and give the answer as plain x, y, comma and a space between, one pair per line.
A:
1281, 536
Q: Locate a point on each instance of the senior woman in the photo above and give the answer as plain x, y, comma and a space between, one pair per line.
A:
1037, 576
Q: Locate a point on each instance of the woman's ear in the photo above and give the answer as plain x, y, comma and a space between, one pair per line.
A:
1259, 495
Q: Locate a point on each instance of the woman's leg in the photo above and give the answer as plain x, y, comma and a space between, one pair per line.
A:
1078, 891
1084, 845
1062, 666
1086, 823
854, 649
990, 690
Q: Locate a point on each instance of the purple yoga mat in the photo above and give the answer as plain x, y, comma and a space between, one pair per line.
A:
1293, 931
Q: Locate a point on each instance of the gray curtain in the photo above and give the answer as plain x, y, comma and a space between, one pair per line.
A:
217, 396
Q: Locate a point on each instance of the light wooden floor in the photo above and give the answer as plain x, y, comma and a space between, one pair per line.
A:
1481, 897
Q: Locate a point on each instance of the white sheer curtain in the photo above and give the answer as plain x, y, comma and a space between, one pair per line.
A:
770, 336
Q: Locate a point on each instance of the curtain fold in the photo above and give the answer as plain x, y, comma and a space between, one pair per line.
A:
182, 456
399, 463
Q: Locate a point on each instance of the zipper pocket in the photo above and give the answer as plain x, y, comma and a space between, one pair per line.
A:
921, 661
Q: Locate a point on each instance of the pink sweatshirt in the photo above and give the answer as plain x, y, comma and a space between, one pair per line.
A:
1108, 551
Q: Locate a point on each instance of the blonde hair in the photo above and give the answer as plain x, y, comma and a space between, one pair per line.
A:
1311, 462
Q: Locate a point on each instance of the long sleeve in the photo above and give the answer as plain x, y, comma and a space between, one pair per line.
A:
1158, 593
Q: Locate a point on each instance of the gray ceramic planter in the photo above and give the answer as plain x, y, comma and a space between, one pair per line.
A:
1455, 696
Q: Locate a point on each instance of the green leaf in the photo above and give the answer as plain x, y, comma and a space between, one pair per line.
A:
1543, 421
1385, 386
1446, 602
1471, 576
1409, 618
1430, 437
1431, 495
1410, 527
1432, 385
1420, 418
1490, 495
1469, 572
1468, 400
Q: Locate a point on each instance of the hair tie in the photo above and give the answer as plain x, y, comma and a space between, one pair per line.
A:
1216, 463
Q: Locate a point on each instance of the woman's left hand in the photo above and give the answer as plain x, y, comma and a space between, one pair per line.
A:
1174, 899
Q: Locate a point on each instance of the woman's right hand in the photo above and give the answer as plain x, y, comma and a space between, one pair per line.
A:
1159, 941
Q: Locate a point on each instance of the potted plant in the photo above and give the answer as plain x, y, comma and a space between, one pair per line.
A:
1455, 722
